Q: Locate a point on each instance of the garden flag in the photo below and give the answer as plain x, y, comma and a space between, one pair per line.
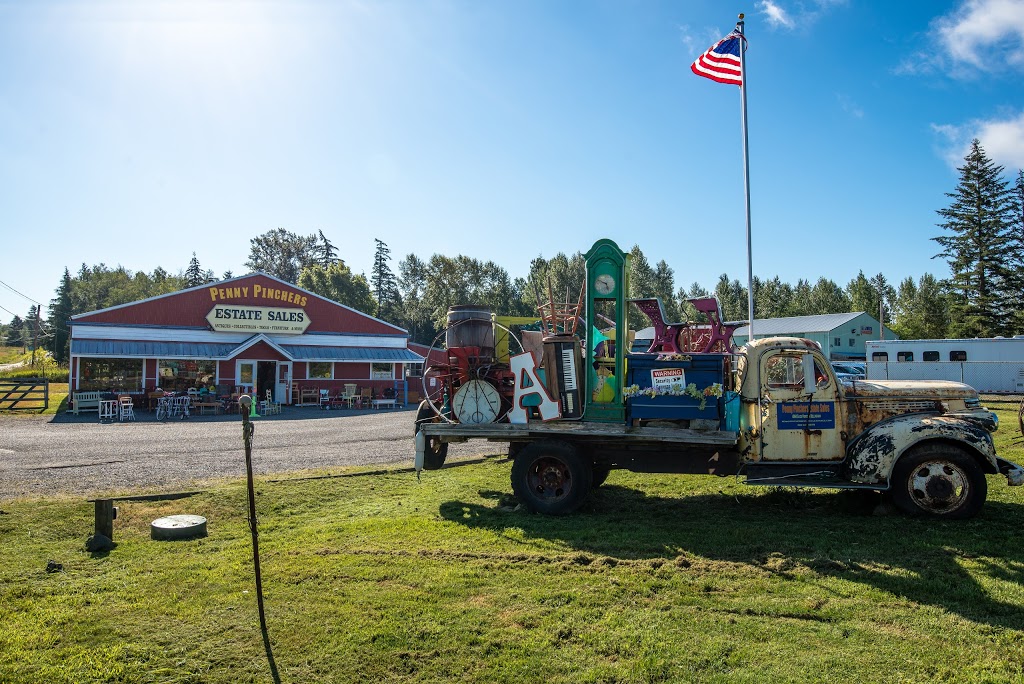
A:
721, 62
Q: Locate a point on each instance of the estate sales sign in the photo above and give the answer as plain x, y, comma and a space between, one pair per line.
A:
258, 319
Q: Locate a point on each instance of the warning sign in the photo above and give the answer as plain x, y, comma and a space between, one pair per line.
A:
668, 380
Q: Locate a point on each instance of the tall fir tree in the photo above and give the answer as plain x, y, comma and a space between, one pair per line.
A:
14, 333
384, 283
978, 222
59, 312
194, 274
1015, 278
327, 253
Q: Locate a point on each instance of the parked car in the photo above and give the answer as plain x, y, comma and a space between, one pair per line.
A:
848, 370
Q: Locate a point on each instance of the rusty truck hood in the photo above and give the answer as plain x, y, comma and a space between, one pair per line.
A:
907, 389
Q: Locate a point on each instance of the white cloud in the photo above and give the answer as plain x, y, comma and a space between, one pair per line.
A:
986, 34
847, 104
696, 42
801, 16
775, 15
1002, 140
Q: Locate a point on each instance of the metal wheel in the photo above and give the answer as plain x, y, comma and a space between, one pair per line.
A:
939, 480
551, 477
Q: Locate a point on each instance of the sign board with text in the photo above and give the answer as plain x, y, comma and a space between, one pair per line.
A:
258, 319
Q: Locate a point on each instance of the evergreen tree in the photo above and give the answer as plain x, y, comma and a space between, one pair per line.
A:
1015, 277
828, 298
228, 275
920, 310
772, 298
194, 274
327, 253
14, 333
32, 331
385, 285
59, 313
978, 222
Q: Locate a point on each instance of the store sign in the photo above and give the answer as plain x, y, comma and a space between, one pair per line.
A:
807, 415
258, 319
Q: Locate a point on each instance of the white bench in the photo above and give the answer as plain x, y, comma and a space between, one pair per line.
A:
381, 403
85, 401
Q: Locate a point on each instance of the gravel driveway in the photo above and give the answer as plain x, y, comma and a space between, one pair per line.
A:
41, 456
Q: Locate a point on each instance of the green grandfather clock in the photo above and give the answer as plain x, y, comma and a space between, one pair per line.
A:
607, 288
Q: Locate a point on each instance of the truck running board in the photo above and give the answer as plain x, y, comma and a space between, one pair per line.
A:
824, 475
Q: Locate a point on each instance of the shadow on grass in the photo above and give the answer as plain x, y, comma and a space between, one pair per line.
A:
832, 533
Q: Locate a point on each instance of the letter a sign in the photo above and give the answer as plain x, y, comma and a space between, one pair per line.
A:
527, 383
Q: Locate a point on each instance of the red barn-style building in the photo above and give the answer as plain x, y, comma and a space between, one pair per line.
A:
253, 333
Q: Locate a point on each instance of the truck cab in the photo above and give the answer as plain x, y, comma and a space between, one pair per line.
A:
928, 443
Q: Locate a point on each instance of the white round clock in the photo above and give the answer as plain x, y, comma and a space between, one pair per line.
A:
476, 402
604, 284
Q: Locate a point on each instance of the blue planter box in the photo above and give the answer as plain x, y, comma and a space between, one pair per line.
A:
671, 408
703, 370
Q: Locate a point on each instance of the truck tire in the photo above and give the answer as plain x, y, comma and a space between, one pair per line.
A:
551, 477
436, 450
938, 480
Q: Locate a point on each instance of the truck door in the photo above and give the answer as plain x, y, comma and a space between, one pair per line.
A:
798, 425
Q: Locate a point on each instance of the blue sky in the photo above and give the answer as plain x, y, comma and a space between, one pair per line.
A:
136, 133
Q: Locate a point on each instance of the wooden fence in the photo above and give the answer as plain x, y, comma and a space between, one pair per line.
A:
26, 394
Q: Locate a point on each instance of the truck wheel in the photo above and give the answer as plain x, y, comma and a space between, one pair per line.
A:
939, 480
551, 477
436, 450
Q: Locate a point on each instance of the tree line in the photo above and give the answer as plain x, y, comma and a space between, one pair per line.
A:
982, 241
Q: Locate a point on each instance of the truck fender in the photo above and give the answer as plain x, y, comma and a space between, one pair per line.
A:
870, 457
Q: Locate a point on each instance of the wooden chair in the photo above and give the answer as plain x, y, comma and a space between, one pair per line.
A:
127, 408
269, 407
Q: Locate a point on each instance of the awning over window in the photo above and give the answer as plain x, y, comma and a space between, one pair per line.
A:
303, 353
150, 350
220, 351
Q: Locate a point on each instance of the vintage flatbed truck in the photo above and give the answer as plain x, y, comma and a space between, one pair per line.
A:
783, 419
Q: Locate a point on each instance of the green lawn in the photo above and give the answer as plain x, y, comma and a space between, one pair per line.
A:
380, 577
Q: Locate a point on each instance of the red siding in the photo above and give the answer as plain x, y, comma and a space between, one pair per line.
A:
226, 372
262, 352
352, 371
190, 308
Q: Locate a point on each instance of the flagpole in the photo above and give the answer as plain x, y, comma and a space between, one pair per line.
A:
746, 179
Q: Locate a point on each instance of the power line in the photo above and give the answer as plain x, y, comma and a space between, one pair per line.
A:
19, 293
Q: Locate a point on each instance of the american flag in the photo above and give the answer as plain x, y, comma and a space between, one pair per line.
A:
721, 62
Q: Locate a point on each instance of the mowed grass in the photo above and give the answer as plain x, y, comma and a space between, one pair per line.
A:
374, 577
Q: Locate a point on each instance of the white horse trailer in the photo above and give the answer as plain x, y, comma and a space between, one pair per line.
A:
987, 365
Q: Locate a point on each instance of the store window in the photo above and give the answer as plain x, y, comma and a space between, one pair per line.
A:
382, 371
957, 356
930, 356
110, 374
904, 356
321, 370
413, 370
178, 375
837, 341
853, 342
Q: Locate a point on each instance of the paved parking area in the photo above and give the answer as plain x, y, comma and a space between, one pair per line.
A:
42, 456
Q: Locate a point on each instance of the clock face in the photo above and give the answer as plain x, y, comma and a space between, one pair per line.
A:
604, 284
476, 402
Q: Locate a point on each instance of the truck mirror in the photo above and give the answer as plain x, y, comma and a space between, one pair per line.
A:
810, 382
